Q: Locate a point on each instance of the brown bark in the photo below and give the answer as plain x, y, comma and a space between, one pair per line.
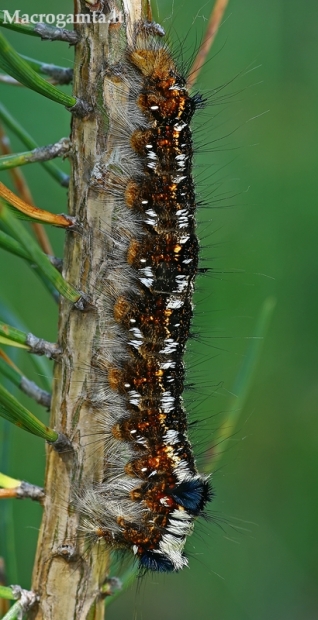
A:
67, 574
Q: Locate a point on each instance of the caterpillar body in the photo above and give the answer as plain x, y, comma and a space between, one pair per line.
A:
151, 492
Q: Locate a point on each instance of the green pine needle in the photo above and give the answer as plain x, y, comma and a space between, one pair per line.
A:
41, 364
28, 141
126, 581
14, 612
18, 231
14, 65
11, 373
8, 483
18, 27
11, 336
7, 593
14, 247
17, 414
243, 383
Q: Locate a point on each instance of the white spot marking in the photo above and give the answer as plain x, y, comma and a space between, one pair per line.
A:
179, 126
175, 303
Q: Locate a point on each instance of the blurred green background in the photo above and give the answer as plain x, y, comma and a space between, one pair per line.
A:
256, 153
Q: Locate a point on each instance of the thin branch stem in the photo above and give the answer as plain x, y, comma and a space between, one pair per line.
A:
211, 31
42, 153
25, 490
12, 372
34, 391
23, 605
46, 32
58, 75
38, 346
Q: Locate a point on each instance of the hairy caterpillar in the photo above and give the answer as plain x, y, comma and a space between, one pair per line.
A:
151, 492
146, 492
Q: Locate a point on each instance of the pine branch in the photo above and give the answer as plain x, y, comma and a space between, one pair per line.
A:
63, 566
